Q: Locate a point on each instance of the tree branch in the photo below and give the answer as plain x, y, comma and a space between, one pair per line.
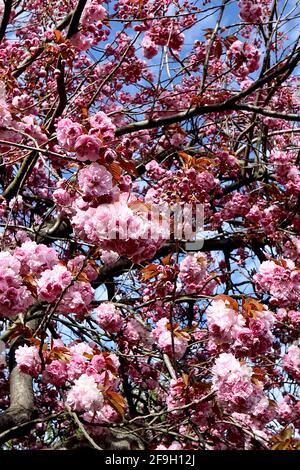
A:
21, 409
231, 104
5, 18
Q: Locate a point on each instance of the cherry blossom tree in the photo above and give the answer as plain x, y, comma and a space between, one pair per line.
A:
116, 333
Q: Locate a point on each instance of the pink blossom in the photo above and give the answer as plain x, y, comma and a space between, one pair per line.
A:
28, 360
95, 180
77, 298
103, 125
5, 115
2, 6
135, 332
175, 445
294, 317
223, 321
52, 282
55, 373
81, 354
193, 274
35, 258
87, 147
250, 10
14, 296
109, 318
84, 395
246, 58
291, 362
233, 384
280, 280
149, 47
109, 257
120, 228
92, 12
109, 414
76, 264
67, 132
163, 335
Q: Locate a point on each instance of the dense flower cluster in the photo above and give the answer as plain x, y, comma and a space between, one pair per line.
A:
162, 33
223, 321
68, 132
185, 186
108, 317
232, 381
82, 369
92, 12
52, 283
95, 180
245, 58
291, 362
14, 296
171, 342
194, 276
253, 10
28, 359
120, 228
35, 258
280, 280
72, 136
247, 333
85, 395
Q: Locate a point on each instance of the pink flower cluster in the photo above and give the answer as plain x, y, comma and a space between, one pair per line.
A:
193, 274
76, 265
163, 32
52, 282
88, 147
135, 332
64, 197
28, 360
245, 335
223, 322
251, 11
102, 125
232, 382
120, 228
175, 445
94, 180
55, 372
85, 395
176, 396
163, 335
14, 296
109, 318
280, 280
145, 374
256, 336
185, 185
291, 362
85, 369
245, 58
150, 49
77, 298
92, 13
35, 258
286, 172
68, 132
288, 410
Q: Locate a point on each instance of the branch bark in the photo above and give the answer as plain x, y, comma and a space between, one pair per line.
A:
22, 408
5, 18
